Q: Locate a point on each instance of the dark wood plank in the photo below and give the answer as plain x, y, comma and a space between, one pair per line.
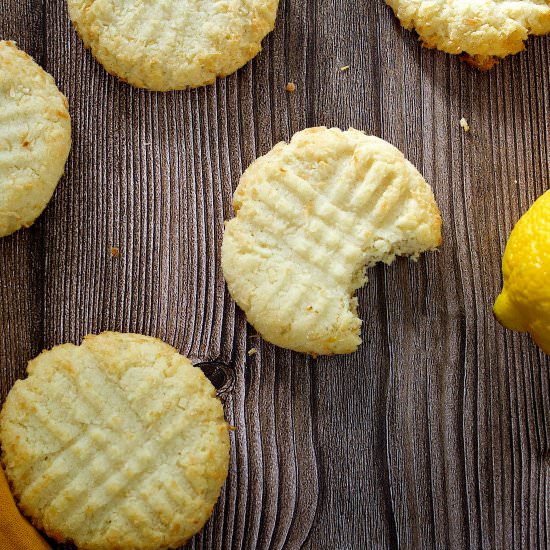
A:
435, 433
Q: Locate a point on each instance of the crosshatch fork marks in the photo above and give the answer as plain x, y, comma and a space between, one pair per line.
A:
454, 392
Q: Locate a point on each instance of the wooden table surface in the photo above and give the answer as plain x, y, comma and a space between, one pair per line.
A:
435, 433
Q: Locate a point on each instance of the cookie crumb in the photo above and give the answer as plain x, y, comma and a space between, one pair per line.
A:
252, 351
291, 87
114, 251
344, 68
464, 124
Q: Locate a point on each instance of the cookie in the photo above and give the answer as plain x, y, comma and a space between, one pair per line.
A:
35, 138
173, 44
119, 443
310, 216
484, 30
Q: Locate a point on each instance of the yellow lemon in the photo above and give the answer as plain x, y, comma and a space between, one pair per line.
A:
524, 304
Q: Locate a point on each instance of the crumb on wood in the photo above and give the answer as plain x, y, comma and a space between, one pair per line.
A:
344, 68
114, 251
232, 428
464, 124
291, 87
252, 351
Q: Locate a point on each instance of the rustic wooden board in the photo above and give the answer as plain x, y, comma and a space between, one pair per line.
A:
433, 435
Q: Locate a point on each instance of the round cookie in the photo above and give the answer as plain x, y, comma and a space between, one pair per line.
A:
484, 30
173, 44
310, 216
35, 138
117, 443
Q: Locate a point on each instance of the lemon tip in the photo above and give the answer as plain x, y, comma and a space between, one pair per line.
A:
506, 313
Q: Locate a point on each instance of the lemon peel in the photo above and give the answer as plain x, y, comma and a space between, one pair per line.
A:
524, 303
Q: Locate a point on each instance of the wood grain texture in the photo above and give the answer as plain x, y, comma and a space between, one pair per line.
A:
435, 433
